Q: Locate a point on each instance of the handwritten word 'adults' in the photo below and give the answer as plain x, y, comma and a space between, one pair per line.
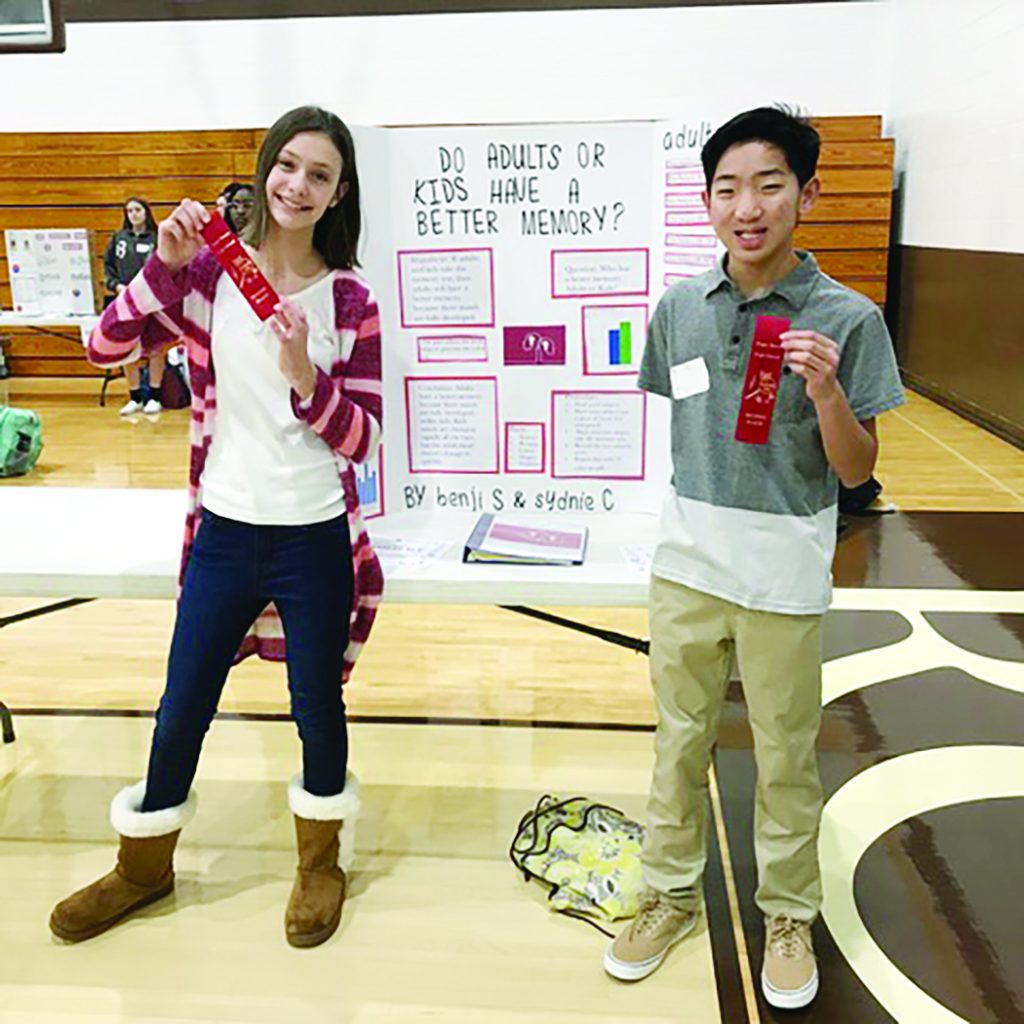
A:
687, 136
524, 156
541, 156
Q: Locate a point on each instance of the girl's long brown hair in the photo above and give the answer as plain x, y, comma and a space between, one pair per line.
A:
336, 235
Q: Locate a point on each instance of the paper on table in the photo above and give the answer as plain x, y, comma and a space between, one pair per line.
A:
639, 556
395, 554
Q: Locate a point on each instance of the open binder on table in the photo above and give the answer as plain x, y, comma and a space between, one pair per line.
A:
525, 542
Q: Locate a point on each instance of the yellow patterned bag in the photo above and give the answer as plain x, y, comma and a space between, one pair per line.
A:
587, 853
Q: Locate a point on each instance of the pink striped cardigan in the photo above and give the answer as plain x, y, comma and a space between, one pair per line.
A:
345, 410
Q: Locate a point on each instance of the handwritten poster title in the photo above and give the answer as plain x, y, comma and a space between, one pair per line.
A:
533, 188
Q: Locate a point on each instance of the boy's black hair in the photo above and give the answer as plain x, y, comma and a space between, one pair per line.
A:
778, 126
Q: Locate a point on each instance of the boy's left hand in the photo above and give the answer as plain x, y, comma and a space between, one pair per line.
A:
290, 326
815, 358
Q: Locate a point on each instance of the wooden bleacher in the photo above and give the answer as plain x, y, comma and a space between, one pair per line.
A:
80, 180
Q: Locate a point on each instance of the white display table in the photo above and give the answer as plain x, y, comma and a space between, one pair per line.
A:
126, 543
65, 542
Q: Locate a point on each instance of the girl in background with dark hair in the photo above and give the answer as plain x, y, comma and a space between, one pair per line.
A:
127, 252
235, 204
239, 208
226, 193
276, 559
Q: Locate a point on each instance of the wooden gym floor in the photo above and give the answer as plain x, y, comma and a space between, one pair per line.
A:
462, 716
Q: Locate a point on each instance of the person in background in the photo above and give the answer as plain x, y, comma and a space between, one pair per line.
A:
221, 202
127, 252
225, 196
239, 208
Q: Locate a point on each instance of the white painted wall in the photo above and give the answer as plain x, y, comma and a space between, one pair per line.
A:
958, 116
536, 66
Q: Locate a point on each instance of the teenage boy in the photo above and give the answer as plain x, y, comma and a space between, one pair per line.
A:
748, 532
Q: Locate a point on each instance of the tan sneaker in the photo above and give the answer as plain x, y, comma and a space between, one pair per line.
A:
789, 978
644, 942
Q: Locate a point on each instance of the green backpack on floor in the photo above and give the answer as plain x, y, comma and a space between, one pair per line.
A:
587, 853
21, 440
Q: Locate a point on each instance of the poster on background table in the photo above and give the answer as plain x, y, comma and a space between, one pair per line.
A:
516, 268
50, 272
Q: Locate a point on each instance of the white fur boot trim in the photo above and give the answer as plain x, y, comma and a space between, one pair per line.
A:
130, 821
344, 806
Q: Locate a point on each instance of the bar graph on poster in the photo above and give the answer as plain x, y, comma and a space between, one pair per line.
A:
517, 268
370, 485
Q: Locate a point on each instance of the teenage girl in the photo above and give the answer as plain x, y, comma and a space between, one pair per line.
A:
127, 252
276, 558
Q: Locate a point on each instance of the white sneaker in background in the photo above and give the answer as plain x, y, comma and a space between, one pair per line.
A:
130, 407
152, 406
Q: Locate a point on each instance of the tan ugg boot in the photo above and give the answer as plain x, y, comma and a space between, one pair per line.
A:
143, 873
325, 830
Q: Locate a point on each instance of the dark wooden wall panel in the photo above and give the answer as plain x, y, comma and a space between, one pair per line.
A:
959, 334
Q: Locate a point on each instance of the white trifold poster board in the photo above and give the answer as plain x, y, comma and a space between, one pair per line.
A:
50, 272
516, 268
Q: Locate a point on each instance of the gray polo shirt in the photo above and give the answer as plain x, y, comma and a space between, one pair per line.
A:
756, 524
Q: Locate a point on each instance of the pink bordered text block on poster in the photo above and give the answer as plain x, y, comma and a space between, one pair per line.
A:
459, 438
540, 429
451, 348
591, 264
614, 467
425, 278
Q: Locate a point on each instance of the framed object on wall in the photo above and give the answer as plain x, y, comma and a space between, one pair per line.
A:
31, 26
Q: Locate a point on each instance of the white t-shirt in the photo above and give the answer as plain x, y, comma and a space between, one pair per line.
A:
265, 466
760, 560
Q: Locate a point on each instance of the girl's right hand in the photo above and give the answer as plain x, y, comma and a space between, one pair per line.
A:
178, 237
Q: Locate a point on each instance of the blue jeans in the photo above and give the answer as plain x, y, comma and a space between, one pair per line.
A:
234, 570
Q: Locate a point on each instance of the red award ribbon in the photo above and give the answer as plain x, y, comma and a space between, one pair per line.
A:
240, 267
761, 387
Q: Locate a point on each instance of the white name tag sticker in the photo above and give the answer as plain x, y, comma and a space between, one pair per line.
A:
143, 246
690, 378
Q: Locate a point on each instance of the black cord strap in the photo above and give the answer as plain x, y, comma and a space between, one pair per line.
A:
7, 620
608, 635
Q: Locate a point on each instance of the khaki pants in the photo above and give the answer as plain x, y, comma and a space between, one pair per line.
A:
692, 640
